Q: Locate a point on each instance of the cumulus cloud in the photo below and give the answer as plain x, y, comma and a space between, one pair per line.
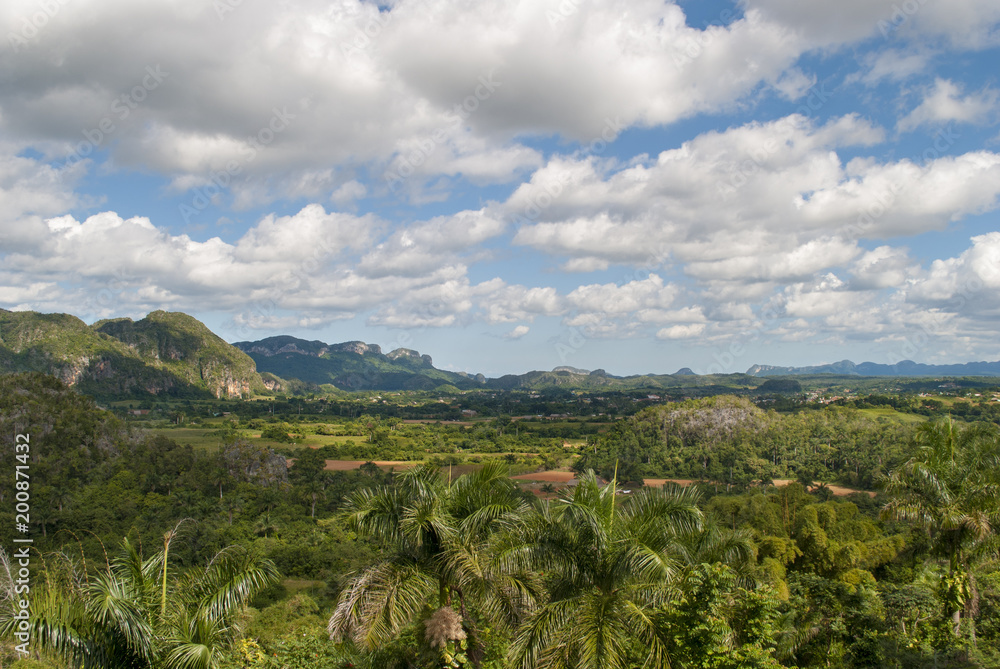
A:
764, 202
415, 249
963, 23
514, 303
517, 332
892, 64
681, 331
351, 104
945, 103
265, 87
883, 267
965, 284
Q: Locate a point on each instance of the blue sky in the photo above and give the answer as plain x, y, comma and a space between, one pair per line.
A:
638, 186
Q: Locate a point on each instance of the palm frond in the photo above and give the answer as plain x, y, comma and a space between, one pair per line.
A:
379, 602
532, 647
115, 605
233, 578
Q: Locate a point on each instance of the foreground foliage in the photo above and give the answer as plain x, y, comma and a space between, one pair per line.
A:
424, 569
138, 612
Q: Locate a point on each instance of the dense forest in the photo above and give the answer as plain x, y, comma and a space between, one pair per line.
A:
245, 550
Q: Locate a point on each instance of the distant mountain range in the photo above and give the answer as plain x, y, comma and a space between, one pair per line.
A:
174, 354
904, 368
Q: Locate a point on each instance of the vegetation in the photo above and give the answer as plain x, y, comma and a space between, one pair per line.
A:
202, 532
169, 354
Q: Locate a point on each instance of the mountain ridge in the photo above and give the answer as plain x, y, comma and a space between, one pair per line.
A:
173, 353
352, 365
168, 353
903, 368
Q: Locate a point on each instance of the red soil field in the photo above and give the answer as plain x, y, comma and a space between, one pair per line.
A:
557, 476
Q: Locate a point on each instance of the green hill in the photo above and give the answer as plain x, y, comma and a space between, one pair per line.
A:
574, 379
352, 365
162, 354
355, 365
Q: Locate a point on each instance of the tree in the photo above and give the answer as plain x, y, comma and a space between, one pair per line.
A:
951, 486
608, 564
714, 623
437, 539
139, 613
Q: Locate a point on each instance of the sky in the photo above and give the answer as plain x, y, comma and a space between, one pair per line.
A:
631, 185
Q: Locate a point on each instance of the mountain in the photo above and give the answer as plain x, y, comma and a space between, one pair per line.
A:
176, 355
164, 353
352, 365
904, 368
566, 377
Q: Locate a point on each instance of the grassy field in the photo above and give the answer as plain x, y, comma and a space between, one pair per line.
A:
200, 438
889, 412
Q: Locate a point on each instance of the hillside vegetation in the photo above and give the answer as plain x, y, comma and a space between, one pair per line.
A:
249, 552
169, 354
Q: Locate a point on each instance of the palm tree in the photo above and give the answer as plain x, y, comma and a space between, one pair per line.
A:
437, 538
265, 523
716, 544
951, 486
609, 563
133, 615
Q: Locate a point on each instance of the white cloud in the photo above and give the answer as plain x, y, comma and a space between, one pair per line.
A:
944, 103
966, 24
681, 331
793, 84
612, 299
892, 64
301, 262
348, 193
761, 202
510, 304
968, 284
883, 267
453, 106
517, 332
420, 247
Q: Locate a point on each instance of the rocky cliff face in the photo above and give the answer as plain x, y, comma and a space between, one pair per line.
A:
358, 347
288, 348
164, 352
409, 353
